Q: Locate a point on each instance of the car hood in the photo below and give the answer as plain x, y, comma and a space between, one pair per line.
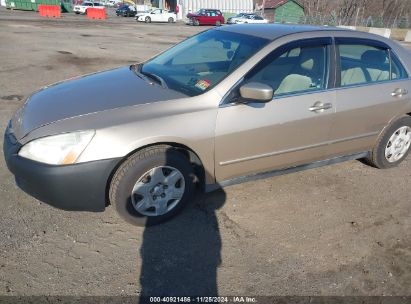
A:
87, 94
189, 15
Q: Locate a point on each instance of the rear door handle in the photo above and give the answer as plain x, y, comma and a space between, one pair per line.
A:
399, 92
320, 107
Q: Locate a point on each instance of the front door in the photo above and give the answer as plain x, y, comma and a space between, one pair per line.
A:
156, 15
211, 17
293, 128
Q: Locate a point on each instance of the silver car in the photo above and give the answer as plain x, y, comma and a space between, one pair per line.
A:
225, 106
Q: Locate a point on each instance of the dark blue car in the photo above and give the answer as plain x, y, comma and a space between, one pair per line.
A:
126, 11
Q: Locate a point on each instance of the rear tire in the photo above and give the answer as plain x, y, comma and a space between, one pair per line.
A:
148, 20
218, 23
393, 145
152, 186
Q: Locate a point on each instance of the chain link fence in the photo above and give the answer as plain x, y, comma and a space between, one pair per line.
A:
400, 22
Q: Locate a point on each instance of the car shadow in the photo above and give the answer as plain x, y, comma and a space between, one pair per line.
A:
181, 257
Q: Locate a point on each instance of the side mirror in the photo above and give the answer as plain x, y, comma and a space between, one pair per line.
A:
257, 92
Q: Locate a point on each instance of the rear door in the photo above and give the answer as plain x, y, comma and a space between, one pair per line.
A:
293, 128
369, 77
164, 15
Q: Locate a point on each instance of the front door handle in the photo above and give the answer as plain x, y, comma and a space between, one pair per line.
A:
320, 107
399, 92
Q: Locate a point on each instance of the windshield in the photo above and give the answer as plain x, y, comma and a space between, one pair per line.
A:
201, 62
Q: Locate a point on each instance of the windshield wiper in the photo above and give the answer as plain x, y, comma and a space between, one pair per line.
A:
145, 75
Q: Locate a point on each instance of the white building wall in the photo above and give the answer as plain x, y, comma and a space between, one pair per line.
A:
2, 2
227, 6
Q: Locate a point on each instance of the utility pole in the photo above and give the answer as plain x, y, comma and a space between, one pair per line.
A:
263, 8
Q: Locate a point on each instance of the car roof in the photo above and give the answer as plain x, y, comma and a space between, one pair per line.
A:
274, 31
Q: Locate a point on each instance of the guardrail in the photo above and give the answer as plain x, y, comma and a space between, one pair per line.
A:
396, 34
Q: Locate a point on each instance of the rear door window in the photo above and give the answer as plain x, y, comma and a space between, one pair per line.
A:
363, 63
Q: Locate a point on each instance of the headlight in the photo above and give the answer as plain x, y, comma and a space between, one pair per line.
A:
62, 149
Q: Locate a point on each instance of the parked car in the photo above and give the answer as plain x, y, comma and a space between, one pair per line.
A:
206, 17
126, 11
157, 15
225, 106
113, 3
231, 20
82, 8
250, 19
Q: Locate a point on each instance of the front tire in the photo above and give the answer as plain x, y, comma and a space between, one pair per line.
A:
170, 20
148, 20
152, 186
393, 145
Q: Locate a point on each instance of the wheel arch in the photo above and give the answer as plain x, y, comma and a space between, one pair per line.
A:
189, 153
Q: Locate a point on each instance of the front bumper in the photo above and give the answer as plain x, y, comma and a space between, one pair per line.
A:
80, 187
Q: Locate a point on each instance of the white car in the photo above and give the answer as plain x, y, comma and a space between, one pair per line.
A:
157, 15
249, 19
112, 3
82, 8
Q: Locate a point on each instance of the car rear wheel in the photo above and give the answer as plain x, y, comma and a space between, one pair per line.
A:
393, 145
170, 20
152, 186
148, 19
218, 23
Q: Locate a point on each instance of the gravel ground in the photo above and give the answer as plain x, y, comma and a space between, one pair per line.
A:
337, 230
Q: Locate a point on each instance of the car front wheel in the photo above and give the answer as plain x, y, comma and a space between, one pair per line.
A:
170, 20
393, 145
152, 186
148, 19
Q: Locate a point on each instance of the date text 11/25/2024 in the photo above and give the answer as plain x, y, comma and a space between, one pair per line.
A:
233, 299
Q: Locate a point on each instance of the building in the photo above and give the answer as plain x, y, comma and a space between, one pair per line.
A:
284, 11
187, 6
